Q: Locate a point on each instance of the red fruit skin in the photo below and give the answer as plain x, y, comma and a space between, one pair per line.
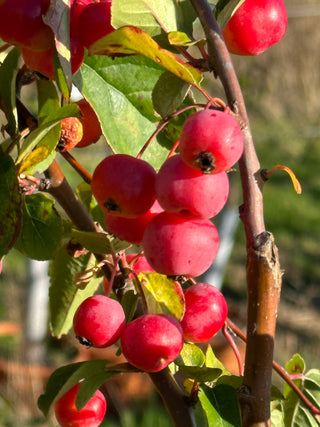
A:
131, 229
95, 22
255, 26
205, 314
139, 263
21, 23
91, 415
76, 8
214, 132
183, 190
90, 124
176, 246
124, 186
152, 341
99, 321
42, 62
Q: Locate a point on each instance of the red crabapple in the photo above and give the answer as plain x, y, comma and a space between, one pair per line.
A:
176, 246
211, 141
94, 22
21, 23
131, 229
91, 415
184, 190
152, 341
99, 321
42, 62
255, 26
205, 314
90, 124
124, 185
76, 8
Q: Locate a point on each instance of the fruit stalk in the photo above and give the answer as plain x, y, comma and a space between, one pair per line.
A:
263, 269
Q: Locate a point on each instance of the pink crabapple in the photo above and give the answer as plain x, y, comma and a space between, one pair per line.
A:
205, 314
152, 341
99, 321
176, 246
211, 141
124, 185
91, 415
131, 229
255, 26
184, 190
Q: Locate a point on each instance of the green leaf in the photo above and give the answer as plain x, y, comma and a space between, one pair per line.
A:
191, 355
38, 138
162, 295
154, 16
213, 362
58, 19
41, 229
48, 100
312, 386
295, 412
220, 405
169, 93
146, 15
10, 206
225, 9
64, 296
201, 373
277, 414
130, 40
129, 302
98, 243
295, 365
92, 373
8, 74
48, 105
125, 112
178, 38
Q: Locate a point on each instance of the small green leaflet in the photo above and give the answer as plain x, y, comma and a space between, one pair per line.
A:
98, 243
130, 40
169, 93
41, 228
10, 206
64, 296
37, 139
220, 405
8, 74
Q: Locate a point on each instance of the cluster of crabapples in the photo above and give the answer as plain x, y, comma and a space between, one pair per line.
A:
168, 213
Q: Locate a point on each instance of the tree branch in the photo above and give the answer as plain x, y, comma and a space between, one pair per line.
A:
263, 269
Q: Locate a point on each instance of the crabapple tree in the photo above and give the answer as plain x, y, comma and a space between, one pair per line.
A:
128, 242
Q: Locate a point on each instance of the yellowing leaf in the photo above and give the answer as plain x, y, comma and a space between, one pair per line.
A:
130, 40
36, 156
162, 295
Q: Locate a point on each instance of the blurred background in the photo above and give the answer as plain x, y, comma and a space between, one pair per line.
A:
281, 88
